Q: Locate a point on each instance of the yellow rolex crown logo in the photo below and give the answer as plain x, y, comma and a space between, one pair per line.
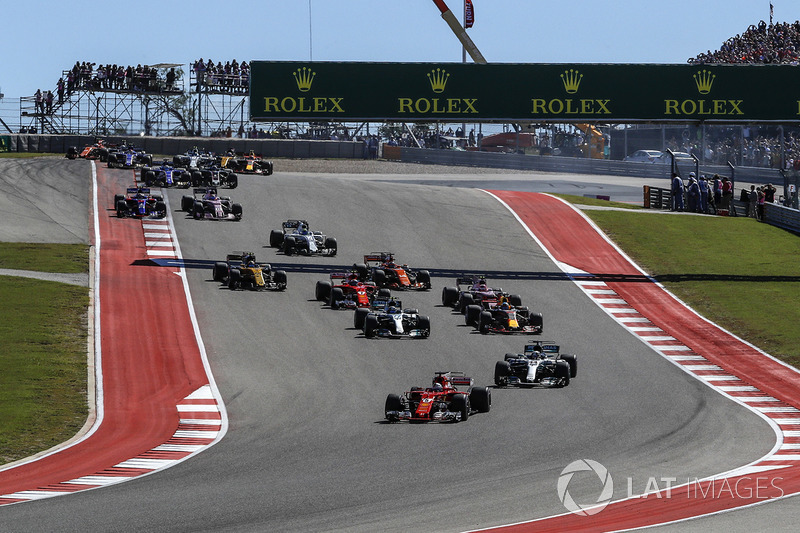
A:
571, 80
704, 79
304, 77
438, 79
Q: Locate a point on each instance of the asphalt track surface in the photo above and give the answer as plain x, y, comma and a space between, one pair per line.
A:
307, 450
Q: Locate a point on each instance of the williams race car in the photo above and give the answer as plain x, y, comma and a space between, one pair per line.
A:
165, 175
345, 291
441, 402
138, 202
240, 271
473, 289
392, 321
205, 204
541, 364
381, 268
295, 237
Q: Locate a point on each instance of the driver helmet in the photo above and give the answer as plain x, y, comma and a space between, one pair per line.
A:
301, 229
437, 387
353, 282
504, 306
392, 310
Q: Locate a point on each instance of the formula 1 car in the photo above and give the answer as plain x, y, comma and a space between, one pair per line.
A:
381, 268
345, 291
295, 237
489, 317
392, 321
138, 202
194, 159
128, 157
540, 364
205, 204
249, 163
473, 289
98, 150
165, 175
441, 402
240, 271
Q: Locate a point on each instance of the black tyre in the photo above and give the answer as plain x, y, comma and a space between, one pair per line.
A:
536, 321
393, 405
379, 277
275, 238
370, 326
515, 300
235, 279
465, 300
236, 209
117, 198
337, 295
449, 296
149, 178
460, 404
472, 314
197, 178
233, 181
384, 294
502, 369
161, 209
289, 245
220, 271
198, 211
359, 317
268, 168
322, 291
331, 246
187, 203
485, 322
424, 324
424, 278
362, 271
280, 279
122, 209
572, 361
562, 372
480, 398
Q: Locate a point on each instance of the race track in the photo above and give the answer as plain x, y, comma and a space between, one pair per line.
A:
307, 449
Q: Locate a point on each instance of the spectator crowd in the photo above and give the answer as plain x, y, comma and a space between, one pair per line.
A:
232, 77
760, 43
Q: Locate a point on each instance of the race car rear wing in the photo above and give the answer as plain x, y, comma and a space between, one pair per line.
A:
469, 279
204, 190
341, 275
457, 378
138, 190
294, 223
379, 257
546, 346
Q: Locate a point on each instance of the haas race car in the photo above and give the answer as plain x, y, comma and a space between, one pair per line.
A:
540, 364
295, 237
140, 203
392, 321
441, 402
205, 204
240, 271
380, 268
345, 291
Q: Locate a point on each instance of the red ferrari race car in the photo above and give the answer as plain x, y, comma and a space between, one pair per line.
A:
140, 203
345, 291
441, 402
380, 267
473, 289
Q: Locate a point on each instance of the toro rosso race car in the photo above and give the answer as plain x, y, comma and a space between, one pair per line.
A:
138, 202
541, 364
441, 402
205, 204
380, 267
165, 175
295, 237
240, 271
473, 289
393, 321
345, 291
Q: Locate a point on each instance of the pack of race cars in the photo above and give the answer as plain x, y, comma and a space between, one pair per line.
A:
368, 289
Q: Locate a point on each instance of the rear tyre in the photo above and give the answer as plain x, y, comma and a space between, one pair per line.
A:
515, 300
187, 202
361, 270
384, 294
379, 277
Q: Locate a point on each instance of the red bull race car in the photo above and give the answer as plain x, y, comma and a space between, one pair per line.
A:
140, 203
441, 402
541, 364
345, 291
381, 268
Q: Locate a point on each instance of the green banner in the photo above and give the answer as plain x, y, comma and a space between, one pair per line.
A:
5, 143
458, 92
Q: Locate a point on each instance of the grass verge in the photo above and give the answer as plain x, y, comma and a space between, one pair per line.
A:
43, 372
737, 272
67, 258
26, 155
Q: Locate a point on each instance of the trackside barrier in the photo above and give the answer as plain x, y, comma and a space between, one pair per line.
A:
657, 197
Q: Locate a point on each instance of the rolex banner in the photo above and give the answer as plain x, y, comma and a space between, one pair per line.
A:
507, 92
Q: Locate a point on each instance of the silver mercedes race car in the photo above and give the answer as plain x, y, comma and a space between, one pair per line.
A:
542, 363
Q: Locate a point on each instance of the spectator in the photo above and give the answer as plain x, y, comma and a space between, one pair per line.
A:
717, 192
48, 100
39, 101
752, 202
703, 185
762, 198
727, 195
769, 193
693, 194
677, 193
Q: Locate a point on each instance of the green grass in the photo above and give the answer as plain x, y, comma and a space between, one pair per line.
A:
737, 272
43, 369
68, 258
26, 155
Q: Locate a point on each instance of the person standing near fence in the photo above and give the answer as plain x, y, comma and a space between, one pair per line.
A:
717, 192
727, 195
677, 193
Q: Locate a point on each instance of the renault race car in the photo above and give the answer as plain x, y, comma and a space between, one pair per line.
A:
205, 204
540, 364
296, 237
240, 271
165, 175
139, 202
491, 317
441, 402
345, 291
393, 321
473, 289
380, 267
128, 157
